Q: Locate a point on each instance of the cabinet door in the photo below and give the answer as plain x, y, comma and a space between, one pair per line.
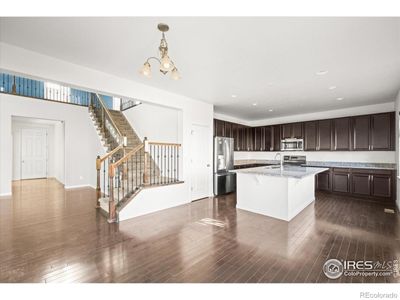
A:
268, 146
381, 185
310, 136
324, 135
219, 128
361, 184
287, 131
228, 130
341, 134
250, 138
235, 135
276, 137
361, 133
297, 130
323, 181
341, 182
259, 139
242, 138
381, 132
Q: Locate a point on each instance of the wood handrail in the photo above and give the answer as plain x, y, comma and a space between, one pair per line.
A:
123, 159
115, 150
109, 115
164, 144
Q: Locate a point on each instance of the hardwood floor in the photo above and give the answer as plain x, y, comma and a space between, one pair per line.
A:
48, 234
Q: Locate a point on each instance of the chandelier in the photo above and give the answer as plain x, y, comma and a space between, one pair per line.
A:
166, 64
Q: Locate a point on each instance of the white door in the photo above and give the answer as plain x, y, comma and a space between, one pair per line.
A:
200, 161
33, 153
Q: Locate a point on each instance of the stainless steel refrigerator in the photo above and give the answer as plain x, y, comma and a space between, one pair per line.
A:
224, 181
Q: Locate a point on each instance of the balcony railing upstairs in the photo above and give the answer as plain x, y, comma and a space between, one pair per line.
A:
50, 91
147, 165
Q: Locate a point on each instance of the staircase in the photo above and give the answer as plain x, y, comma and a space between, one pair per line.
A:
130, 164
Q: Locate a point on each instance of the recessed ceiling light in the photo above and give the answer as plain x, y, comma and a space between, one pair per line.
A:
322, 72
234, 96
332, 87
254, 104
270, 109
339, 98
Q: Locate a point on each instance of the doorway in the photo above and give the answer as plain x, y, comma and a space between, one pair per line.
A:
38, 149
200, 162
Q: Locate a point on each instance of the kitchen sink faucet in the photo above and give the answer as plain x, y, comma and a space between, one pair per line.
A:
281, 159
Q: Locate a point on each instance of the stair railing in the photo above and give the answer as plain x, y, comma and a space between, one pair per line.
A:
108, 125
148, 164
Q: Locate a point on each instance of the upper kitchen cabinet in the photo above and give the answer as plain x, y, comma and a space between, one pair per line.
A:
259, 137
324, 135
292, 130
361, 133
276, 138
263, 138
249, 139
268, 138
382, 132
342, 134
235, 135
219, 127
310, 136
228, 130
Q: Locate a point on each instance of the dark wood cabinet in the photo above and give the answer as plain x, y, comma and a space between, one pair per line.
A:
276, 134
381, 131
361, 184
292, 130
219, 127
324, 135
323, 181
310, 136
341, 180
371, 184
381, 185
228, 130
268, 138
259, 136
342, 134
361, 133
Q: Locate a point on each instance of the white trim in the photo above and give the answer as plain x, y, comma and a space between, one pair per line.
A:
70, 187
5, 194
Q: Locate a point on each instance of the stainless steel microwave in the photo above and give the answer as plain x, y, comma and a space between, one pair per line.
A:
292, 145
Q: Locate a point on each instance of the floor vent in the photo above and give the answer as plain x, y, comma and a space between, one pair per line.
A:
389, 211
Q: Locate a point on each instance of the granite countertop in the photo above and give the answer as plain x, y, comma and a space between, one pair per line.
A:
354, 165
326, 164
287, 171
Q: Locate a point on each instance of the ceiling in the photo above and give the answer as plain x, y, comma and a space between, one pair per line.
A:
269, 63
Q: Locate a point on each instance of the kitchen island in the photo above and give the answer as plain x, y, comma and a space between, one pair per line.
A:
275, 191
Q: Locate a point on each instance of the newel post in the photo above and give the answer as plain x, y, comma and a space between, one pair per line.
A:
145, 171
111, 203
98, 189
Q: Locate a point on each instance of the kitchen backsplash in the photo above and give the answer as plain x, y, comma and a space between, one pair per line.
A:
353, 156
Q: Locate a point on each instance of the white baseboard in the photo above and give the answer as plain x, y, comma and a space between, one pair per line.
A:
69, 187
5, 194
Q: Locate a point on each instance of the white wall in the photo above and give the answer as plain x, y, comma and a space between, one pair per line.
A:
157, 123
24, 62
81, 141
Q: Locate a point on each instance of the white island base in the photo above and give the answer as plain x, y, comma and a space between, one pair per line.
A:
274, 196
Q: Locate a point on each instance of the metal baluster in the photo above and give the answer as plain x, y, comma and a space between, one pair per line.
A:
169, 168
177, 167
104, 178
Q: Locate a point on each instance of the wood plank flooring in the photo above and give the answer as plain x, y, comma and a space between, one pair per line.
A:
48, 234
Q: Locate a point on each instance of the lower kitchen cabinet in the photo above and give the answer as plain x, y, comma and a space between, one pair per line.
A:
361, 184
372, 184
381, 185
323, 181
341, 180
